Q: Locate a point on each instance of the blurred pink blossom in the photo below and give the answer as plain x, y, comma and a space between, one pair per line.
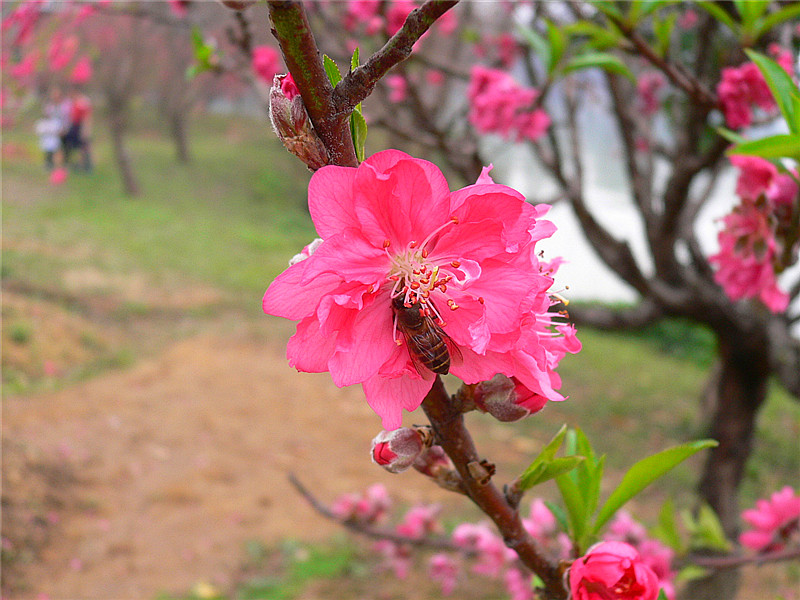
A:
774, 522
266, 62
444, 569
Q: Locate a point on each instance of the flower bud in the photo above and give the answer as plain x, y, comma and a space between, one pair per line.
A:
292, 125
500, 397
397, 450
612, 570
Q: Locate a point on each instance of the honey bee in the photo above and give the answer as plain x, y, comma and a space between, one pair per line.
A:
428, 344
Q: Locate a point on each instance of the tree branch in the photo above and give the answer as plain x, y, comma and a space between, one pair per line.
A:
358, 84
291, 28
444, 414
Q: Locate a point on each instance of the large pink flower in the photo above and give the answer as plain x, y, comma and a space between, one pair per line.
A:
612, 571
390, 228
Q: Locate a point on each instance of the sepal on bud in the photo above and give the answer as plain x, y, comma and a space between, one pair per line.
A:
292, 125
500, 398
397, 450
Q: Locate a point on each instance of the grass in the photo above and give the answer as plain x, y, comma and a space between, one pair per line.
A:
230, 220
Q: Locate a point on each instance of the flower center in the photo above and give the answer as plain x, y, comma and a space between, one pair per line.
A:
416, 276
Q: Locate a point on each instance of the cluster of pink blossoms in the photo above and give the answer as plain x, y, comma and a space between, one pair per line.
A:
499, 105
391, 228
755, 233
775, 522
743, 87
625, 565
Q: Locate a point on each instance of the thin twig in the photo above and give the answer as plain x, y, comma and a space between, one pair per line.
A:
379, 533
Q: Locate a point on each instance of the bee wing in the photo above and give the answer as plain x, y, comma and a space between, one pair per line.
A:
455, 352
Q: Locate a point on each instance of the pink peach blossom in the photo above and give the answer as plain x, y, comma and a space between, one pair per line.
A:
648, 85
444, 569
398, 88
612, 571
397, 13
391, 228
774, 522
266, 62
498, 104
82, 71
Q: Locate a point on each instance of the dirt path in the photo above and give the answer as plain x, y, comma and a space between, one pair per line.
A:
159, 474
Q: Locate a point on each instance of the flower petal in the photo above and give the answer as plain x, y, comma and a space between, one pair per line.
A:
389, 396
365, 346
293, 299
351, 257
330, 200
308, 350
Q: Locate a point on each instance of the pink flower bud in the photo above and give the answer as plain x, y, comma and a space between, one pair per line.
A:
292, 125
506, 399
432, 461
397, 450
612, 570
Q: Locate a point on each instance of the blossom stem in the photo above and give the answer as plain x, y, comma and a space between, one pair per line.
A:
291, 28
446, 418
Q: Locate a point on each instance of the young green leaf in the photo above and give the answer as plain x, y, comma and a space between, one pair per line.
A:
662, 595
775, 146
558, 43
358, 129
779, 82
607, 8
600, 38
750, 11
559, 514
601, 60
547, 470
576, 507
546, 455
663, 29
538, 44
667, 528
720, 14
691, 572
705, 530
645, 472
791, 11
331, 69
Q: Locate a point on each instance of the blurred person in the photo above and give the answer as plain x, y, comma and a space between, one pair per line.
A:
79, 129
49, 129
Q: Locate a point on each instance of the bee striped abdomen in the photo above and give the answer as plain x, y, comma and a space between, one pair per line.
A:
432, 351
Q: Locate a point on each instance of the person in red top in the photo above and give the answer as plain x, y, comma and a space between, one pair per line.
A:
79, 130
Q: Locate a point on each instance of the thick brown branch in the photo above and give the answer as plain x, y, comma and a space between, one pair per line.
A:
291, 28
447, 421
359, 84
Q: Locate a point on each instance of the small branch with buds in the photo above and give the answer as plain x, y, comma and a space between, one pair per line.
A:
372, 531
446, 417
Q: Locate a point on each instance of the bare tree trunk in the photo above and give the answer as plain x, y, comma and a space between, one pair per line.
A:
735, 395
116, 117
180, 135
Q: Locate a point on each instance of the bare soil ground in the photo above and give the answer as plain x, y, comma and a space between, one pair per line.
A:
151, 479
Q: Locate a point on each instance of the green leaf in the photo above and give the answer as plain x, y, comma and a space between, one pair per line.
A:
662, 595
600, 38
546, 455
795, 127
731, 136
559, 514
358, 129
540, 46
779, 82
750, 11
332, 70
558, 43
705, 530
667, 528
720, 14
601, 60
576, 507
354, 61
779, 16
650, 6
547, 470
607, 8
775, 146
645, 472
663, 29
691, 572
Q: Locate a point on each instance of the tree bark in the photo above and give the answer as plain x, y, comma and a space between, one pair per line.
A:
179, 131
736, 393
116, 118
